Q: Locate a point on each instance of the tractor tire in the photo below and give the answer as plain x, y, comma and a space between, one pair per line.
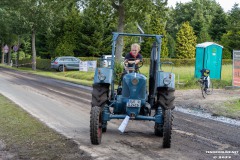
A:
158, 130
100, 94
167, 128
99, 99
166, 98
96, 125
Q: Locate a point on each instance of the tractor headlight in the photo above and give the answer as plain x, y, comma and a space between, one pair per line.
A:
166, 81
135, 81
101, 77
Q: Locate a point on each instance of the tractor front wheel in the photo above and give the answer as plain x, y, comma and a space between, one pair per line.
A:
96, 125
99, 99
167, 128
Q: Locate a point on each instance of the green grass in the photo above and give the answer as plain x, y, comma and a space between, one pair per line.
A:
31, 139
229, 109
232, 109
183, 74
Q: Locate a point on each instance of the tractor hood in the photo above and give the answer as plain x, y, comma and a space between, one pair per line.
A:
134, 86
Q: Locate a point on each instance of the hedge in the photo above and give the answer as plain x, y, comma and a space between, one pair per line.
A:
45, 64
177, 62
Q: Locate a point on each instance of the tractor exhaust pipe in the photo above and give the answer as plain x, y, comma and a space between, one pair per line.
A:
153, 75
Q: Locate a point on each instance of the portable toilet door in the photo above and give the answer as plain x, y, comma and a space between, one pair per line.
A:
209, 56
199, 61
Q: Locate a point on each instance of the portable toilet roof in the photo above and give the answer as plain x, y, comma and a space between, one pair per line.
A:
206, 44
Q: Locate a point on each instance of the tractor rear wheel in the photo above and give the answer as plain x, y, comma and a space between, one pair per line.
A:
96, 125
167, 128
100, 94
166, 97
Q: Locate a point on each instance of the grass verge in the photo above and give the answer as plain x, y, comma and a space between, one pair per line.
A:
229, 109
27, 138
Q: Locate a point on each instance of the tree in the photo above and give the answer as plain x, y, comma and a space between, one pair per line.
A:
171, 46
129, 11
38, 16
234, 18
218, 25
68, 41
185, 42
231, 39
9, 30
96, 29
155, 25
3, 30
198, 12
204, 36
183, 12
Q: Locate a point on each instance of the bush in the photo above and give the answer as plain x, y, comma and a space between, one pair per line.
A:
27, 62
44, 64
89, 58
176, 62
118, 72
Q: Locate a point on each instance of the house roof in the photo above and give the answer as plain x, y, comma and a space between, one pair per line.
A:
206, 44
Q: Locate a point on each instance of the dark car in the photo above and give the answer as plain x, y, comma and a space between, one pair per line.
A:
65, 62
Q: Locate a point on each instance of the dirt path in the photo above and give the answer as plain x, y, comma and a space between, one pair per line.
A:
66, 107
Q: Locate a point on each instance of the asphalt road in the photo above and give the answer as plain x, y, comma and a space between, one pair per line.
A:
65, 107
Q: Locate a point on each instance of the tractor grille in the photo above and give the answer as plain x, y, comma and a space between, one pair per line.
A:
129, 90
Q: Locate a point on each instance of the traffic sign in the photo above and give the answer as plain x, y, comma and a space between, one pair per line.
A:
15, 48
6, 49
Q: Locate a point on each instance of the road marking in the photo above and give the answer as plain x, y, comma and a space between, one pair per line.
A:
222, 146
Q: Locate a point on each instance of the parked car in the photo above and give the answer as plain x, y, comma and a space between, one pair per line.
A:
65, 62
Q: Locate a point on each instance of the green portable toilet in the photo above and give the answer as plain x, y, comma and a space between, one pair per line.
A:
209, 56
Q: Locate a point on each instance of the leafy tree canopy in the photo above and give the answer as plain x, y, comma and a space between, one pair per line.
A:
186, 42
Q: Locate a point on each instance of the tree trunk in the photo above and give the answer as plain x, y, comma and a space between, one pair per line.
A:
121, 20
2, 61
33, 51
9, 55
17, 59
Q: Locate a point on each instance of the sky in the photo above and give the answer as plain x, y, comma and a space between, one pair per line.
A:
225, 4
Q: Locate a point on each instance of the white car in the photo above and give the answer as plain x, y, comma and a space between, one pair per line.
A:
106, 60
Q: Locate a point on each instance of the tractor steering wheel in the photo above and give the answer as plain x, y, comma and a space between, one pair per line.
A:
132, 66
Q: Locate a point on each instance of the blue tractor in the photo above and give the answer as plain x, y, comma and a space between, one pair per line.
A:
135, 100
